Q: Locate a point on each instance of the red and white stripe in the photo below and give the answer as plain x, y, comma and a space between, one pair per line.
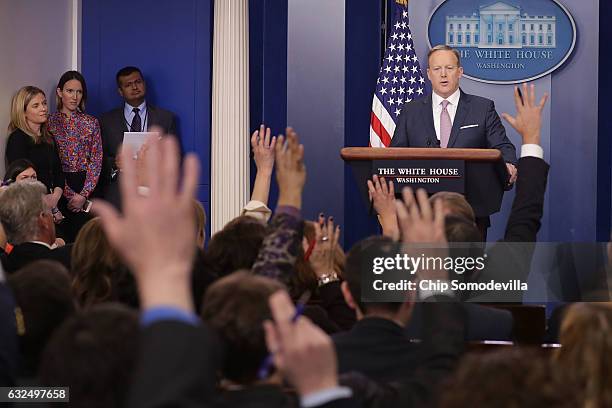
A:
382, 125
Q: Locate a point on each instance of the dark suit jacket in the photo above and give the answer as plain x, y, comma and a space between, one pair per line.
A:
28, 252
482, 323
377, 348
415, 126
528, 206
438, 358
112, 127
113, 124
507, 261
259, 396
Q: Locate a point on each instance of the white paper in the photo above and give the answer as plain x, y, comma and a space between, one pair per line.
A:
137, 139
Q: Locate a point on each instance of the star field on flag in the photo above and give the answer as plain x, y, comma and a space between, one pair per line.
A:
400, 80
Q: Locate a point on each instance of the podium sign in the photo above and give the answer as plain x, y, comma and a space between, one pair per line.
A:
431, 175
479, 174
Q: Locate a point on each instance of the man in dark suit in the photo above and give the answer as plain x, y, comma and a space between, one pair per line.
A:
28, 222
136, 115
450, 118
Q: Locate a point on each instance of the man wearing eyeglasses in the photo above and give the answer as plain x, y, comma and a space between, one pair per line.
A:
136, 115
451, 118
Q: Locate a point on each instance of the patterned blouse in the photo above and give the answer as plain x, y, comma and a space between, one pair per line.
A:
80, 147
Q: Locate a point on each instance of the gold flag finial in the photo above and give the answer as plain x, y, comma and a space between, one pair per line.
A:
402, 2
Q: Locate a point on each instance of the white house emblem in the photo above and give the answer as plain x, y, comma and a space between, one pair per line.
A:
505, 42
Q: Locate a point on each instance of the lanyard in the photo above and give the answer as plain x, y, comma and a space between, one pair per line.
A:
144, 122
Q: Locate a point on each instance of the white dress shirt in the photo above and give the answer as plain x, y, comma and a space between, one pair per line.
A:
436, 101
128, 113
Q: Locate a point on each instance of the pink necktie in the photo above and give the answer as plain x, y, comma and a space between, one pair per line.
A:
445, 124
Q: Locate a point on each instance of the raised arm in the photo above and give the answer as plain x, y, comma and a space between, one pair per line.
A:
155, 236
382, 195
263, 152
528, 205
280, 247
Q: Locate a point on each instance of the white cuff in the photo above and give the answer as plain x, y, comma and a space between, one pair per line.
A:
258, 210
325, 396
532, 150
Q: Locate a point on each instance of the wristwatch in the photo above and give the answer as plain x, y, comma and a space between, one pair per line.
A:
327, 278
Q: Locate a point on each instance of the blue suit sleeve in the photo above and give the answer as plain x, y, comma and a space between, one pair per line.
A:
496, 136
400, 136
165, 313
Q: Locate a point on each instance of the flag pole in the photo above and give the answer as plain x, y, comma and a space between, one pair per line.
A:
383, 29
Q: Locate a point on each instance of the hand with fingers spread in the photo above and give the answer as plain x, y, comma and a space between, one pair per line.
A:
302, 352
263, 153
155, 235
263, 150
326, 239
422, 224
382, 195
528, 119
419, 222
290, 169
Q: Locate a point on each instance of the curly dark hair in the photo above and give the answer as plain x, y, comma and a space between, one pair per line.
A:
235, 307
235, 247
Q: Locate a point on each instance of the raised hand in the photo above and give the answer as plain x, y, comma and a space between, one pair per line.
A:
290, 169
302, 352
419, 222
528, 119
326, 239
382, 196
263, 153
422, 224
263, 149
155, 235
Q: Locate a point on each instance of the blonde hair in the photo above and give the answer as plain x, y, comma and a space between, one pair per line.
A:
200, 222
586, 341
454, 204
19, 104
444, 47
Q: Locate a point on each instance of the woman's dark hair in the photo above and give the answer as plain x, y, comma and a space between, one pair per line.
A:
98, 275
16, 167
70, 75
235, 247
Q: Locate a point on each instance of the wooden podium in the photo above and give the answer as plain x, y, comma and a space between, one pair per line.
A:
479, 174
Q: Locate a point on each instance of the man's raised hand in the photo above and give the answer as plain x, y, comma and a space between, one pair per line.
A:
528, 119
156, 234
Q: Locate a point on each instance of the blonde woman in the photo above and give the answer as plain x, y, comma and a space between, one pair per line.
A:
29, 139
586, 346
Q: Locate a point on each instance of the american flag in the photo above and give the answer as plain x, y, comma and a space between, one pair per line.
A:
400, 79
